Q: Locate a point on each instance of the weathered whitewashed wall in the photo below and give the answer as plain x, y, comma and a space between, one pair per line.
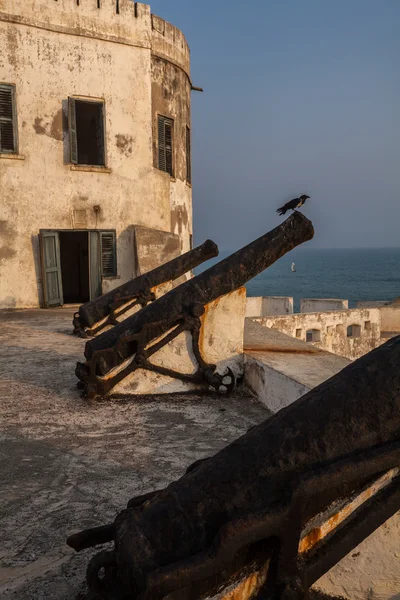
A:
309, 305
263, 306
390, 314
390, 318
53, 50
331, 328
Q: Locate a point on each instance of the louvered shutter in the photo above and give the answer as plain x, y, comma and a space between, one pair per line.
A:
51, 268
165, 150
73, 139
108, 254
161, 144
168, 146
188, 157
8, 137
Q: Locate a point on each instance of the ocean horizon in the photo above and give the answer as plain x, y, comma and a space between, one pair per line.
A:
353, 274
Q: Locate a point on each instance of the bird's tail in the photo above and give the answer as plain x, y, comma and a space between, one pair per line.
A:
281, 211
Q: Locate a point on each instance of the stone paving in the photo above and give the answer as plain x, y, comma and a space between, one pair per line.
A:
67, 463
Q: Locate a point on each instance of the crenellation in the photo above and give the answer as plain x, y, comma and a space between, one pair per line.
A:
168, 42
121, 21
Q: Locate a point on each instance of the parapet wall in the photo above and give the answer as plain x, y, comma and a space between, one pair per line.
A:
348, 333
168, 42
310, 305
264, 306
120, 21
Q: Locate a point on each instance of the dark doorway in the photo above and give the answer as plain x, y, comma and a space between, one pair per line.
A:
89, 132
74, 258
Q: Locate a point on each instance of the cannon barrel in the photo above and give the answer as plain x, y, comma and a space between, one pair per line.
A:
224, 277
345, 431
95, 310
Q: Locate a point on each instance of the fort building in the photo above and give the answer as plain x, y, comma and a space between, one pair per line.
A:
95, 146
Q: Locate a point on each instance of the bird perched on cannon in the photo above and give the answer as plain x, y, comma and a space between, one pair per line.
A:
253, 502
292, 204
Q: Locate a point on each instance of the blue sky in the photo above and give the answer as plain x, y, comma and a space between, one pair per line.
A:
300, 96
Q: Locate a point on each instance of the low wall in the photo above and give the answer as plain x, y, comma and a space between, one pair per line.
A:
349, 333
310, 305
263, 306
279, 368
390, 313
390, 318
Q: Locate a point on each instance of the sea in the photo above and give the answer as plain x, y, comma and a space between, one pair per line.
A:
352, 274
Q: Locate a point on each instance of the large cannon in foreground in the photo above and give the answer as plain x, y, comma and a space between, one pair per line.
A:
137, 338
97, 314
250, 505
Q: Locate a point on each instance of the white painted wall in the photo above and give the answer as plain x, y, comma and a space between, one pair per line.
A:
263, 306
310, 305
274, 389
53, 50
390, 318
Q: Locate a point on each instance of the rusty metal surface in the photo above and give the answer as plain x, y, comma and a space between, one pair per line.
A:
256, 496
138, 290
180, 310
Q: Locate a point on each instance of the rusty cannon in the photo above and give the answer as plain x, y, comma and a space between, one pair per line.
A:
118, 352
256, 504
104, 311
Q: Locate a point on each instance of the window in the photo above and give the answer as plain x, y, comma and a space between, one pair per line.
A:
108, 251
354, 331
86, 132
367, 325
298, 333
165, 151
313, 335
8, 120
188, 157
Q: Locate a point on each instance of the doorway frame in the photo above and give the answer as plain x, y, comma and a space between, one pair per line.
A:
59, 301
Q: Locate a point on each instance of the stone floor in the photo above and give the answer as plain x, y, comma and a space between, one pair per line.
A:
67, 463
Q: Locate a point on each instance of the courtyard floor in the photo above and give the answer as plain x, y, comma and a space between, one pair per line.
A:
67, 463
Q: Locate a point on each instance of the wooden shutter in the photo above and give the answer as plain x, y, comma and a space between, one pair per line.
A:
100, 134
8, 131
108, 254
161, 143
188, 157
51, 268
168, 146
94, 265
165, 150
73, 139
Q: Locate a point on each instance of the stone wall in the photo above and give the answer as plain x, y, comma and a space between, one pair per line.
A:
348, 333
55, 50
310, 305
263, 306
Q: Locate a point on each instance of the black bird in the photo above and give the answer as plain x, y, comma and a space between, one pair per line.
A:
292, 204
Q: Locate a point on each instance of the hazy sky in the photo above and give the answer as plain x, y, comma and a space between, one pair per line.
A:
300, 96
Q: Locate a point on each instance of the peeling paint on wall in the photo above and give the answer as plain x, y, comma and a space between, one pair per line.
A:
90, 53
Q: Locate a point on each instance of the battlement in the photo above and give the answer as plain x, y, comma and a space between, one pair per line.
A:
120, 21
168, 41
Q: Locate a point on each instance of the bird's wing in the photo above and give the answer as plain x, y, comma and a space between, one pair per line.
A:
293, 203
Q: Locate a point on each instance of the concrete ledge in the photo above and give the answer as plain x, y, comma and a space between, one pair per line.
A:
280, 369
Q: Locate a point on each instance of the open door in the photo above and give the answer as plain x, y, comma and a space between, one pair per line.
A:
94, 265
51, 268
